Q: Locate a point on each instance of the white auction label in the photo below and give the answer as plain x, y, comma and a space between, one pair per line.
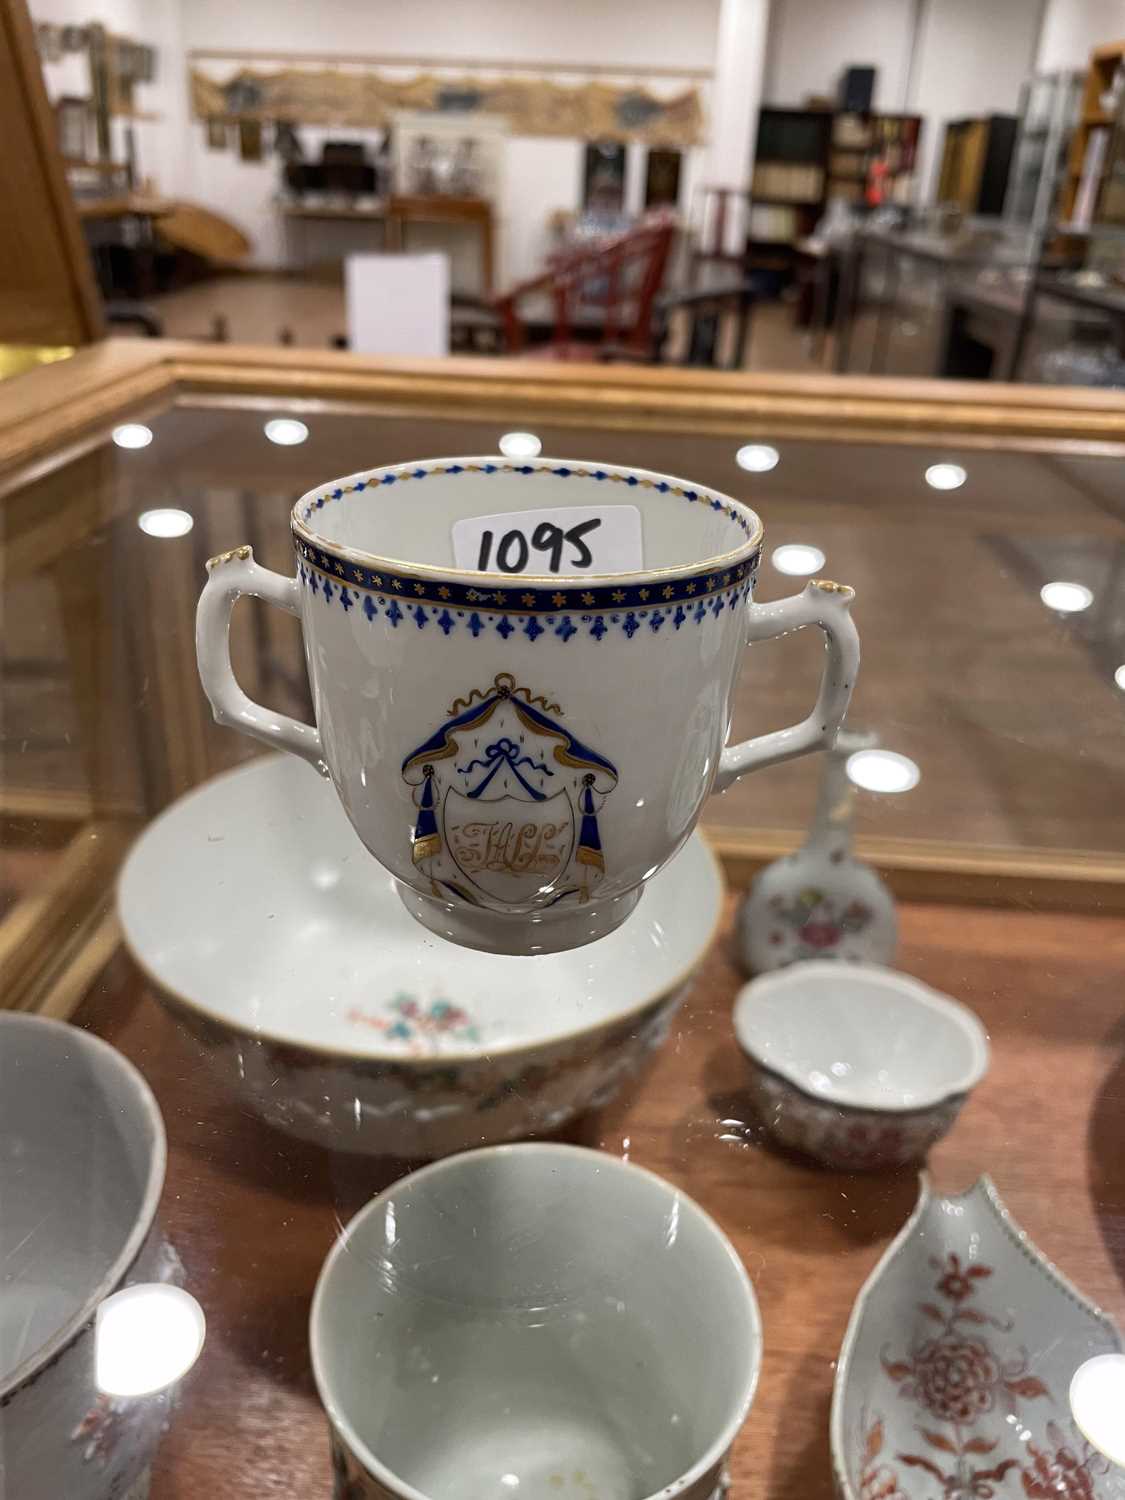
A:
573, 541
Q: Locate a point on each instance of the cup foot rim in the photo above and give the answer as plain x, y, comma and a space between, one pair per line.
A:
520, 934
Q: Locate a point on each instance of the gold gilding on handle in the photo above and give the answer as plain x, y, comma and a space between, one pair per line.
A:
241, 553
828, 587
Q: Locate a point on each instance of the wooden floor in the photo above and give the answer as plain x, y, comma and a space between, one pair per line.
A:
253, 1213
257, 310
310, 311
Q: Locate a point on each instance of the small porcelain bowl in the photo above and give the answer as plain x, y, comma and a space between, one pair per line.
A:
858, 1066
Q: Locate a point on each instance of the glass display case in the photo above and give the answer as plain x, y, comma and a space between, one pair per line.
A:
904, 288
982, 530
1072, 325
1049, 105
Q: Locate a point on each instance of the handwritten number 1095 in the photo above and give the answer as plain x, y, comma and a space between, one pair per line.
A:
513, 550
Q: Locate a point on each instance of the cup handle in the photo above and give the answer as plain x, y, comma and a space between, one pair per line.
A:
229, 576
826, 605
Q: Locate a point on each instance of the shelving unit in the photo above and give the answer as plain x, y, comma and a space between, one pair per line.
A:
1104, 62
788, 188
859, 142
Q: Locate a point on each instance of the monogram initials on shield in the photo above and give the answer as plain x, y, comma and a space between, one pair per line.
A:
507, 802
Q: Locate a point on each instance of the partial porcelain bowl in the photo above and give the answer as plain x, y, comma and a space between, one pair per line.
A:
82, 1157
856, 1065
273, 935
954, 1372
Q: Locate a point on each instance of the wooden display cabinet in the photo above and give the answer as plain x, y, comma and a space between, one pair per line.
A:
975, 160
1104, 62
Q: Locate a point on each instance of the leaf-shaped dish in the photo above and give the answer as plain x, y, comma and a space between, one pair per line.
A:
953, 1376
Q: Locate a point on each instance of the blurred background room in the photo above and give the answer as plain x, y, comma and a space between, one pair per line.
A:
923, 187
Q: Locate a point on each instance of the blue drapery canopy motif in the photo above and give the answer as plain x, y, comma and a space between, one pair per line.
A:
507, 801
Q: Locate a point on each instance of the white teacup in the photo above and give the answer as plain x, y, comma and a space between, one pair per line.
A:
539, 1321
81, 1171
522, 752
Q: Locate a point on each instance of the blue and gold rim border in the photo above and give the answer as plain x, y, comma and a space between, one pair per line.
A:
461, 588
518, 599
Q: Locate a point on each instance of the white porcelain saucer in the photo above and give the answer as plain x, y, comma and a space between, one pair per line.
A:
260, 917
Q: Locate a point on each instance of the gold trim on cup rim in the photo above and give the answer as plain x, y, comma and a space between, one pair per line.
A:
645, 478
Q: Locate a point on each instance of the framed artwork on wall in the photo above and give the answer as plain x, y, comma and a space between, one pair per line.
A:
72, 119
603, 184
250, 140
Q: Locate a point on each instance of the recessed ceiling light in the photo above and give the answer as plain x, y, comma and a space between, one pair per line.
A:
1097, 1403
945, 476
1067, 598
1119, 677
132, 435
757, 458
166, 521
797, 558
883, 771
286, 432
520, 445
145, 1338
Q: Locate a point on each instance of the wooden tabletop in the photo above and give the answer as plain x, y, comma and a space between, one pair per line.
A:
439, 208
125, 205
299, 210
253, 1213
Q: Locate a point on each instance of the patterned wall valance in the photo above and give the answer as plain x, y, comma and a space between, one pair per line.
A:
532, 106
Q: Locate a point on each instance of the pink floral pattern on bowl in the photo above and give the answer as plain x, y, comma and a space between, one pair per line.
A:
831, 1077
419, 1028
952, 1382
847, 1140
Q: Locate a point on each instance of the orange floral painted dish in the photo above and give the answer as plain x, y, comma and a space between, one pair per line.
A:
953, 1378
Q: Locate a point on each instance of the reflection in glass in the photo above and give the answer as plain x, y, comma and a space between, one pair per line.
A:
286, 432
146, 1337
520, 445
1067, 598
132, 435
757, 458
166, 521
797, 559
1097, 1401
883, 771
945, 476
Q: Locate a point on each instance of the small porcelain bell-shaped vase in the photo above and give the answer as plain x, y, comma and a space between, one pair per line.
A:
821, 902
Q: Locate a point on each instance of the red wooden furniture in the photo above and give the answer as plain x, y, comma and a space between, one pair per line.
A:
605, 290
712, 228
